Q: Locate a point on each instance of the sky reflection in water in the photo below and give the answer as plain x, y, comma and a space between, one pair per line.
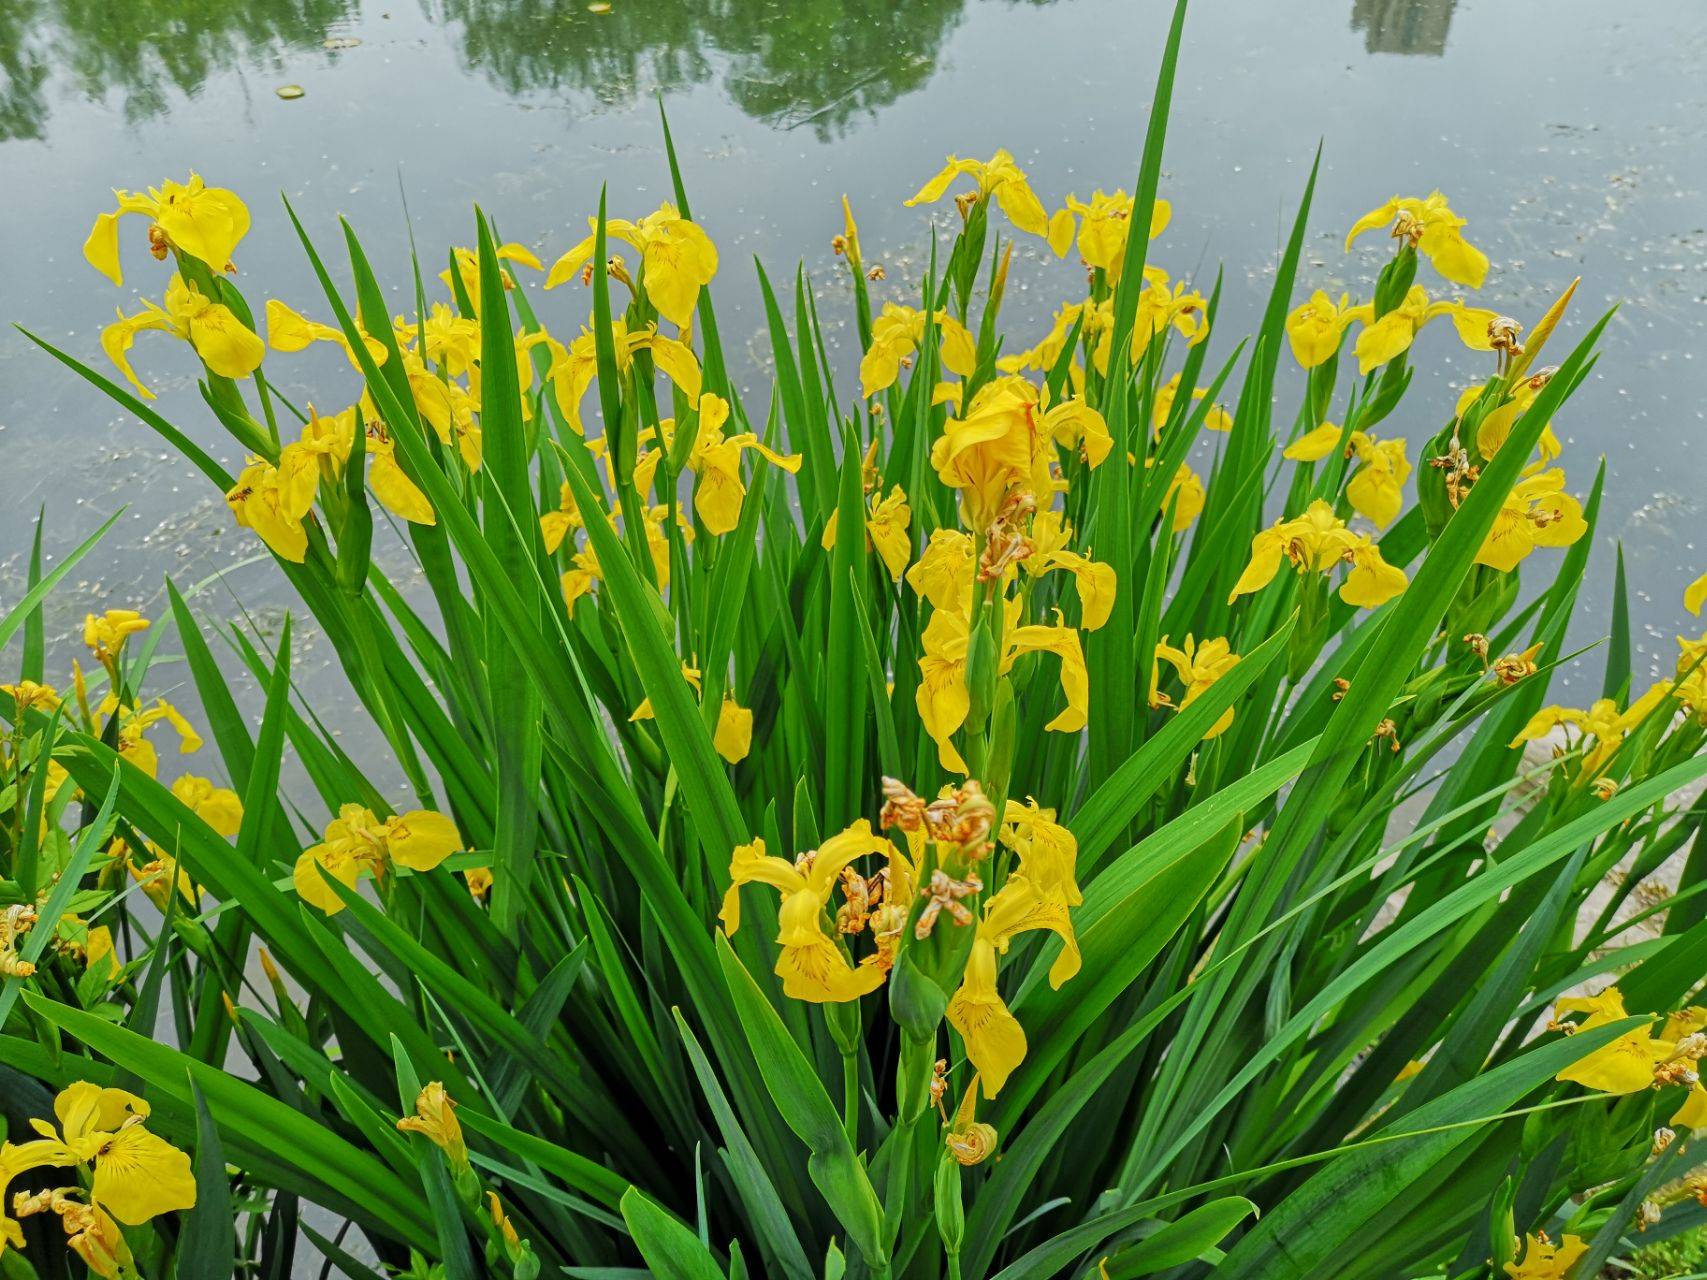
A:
1524, 111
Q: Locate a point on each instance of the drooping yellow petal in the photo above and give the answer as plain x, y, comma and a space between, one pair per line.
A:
995, 1041
1075, 676
1315, 445
1376, 218
1695, 594
1385, 340
1371, 582
421, 839
1266, 550
750, 864
118, 338
139, 1175
335, 863
1626, 1065
219, 807
101, 249
733, 737
397, 492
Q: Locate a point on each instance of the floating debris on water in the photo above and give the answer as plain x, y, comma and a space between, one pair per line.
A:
290, 91
340, 42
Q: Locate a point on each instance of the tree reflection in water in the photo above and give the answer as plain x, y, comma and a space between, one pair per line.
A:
788, 63
821, 63
138, 52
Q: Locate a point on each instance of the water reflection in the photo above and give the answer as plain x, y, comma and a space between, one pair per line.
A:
788, 63
136, 53
1403, 26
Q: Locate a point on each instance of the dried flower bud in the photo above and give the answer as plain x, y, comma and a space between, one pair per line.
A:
1408, 227
902, 807
1478, 644
1515, 666
945, 894
1503, 333
1663, 1138
972, 1145
1604, 788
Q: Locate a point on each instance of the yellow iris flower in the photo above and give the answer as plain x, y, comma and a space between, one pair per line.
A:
1377, 484
942, 698
289, 331
1602, 721
217, 806
733, 735
578, 580
137, 1175
105, 633
1496, 425
262, 500
1042, 358
677, 259
943, 573
885, 530
1391, 336
1436, 231
1004, 181
1103, 223
435, 1120
1004, 442
556, 525
357, 842
445, 338
1163, 303
1313, 445
1544, 1260
1313, 543
895, 336
809, 962
1048, 852
574, 367
1187, 494
1314, 328
995, 1041
468, 269
205, 222
331, 439
136, 721
1198, 667
1627, 1065
715, 459
1536, 513
226, 346
1217, 419
1097, 581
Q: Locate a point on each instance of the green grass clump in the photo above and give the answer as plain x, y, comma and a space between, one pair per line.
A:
943, 828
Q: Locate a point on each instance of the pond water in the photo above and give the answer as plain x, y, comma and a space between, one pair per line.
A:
1566, 131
